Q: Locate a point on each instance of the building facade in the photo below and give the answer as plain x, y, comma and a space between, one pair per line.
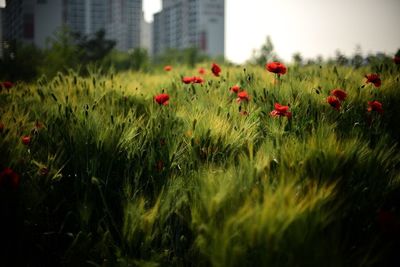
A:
190, 23
123, 23
1, 32
35, 21
47, 19
146, 35
19, 20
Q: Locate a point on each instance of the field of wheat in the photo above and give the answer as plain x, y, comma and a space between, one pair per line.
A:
186, 167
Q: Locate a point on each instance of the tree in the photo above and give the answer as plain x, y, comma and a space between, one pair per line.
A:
93, 49
340, 58
140, 58
357, 59
20, 62
265, 54
297, 58
192, 56
320, 60
189, 56
63, 53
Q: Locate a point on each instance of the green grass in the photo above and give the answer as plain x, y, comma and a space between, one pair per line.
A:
111, 178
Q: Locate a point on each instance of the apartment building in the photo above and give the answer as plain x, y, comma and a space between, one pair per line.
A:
123, 23
190, 23
1, 32
19, 20
35, 21
146, 35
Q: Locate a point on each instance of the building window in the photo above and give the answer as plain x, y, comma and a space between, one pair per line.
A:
28, 26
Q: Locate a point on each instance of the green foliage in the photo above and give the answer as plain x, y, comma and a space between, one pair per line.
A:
265, 54
111, 178
187, 56
62, 55
297, 59
64, 50
94, 49
139, 58
21, 62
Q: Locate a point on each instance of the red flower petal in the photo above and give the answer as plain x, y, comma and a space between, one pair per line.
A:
375, 106
235, 89
202, 71
215, 69
9, 179
275, 113
243, 96
26, 139
162, 99
197, 79
334, 102
6, 84
374, 78
276, 67
339, 93
187, 79
281, 108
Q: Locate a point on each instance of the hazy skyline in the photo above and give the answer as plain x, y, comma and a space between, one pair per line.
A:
311, 27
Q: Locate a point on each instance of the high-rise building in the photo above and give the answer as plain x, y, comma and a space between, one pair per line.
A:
146, 35
1, 32
190, 23
36, 20
19, 20
123, 23
47, 20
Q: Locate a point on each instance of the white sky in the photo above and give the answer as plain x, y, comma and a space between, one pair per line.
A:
311, 27
2, 3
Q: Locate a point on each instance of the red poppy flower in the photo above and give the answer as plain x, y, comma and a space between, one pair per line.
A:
280, 110
202, 71
196, 79
339, 93
388, 222
375, 106
215, 69
334, 102
6, 84
276, 67
168, 68
1, 127
187, 80
235, 89
160, 165
396, 60
9, 179
374, 78
26, 139
243, 96
162, 99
